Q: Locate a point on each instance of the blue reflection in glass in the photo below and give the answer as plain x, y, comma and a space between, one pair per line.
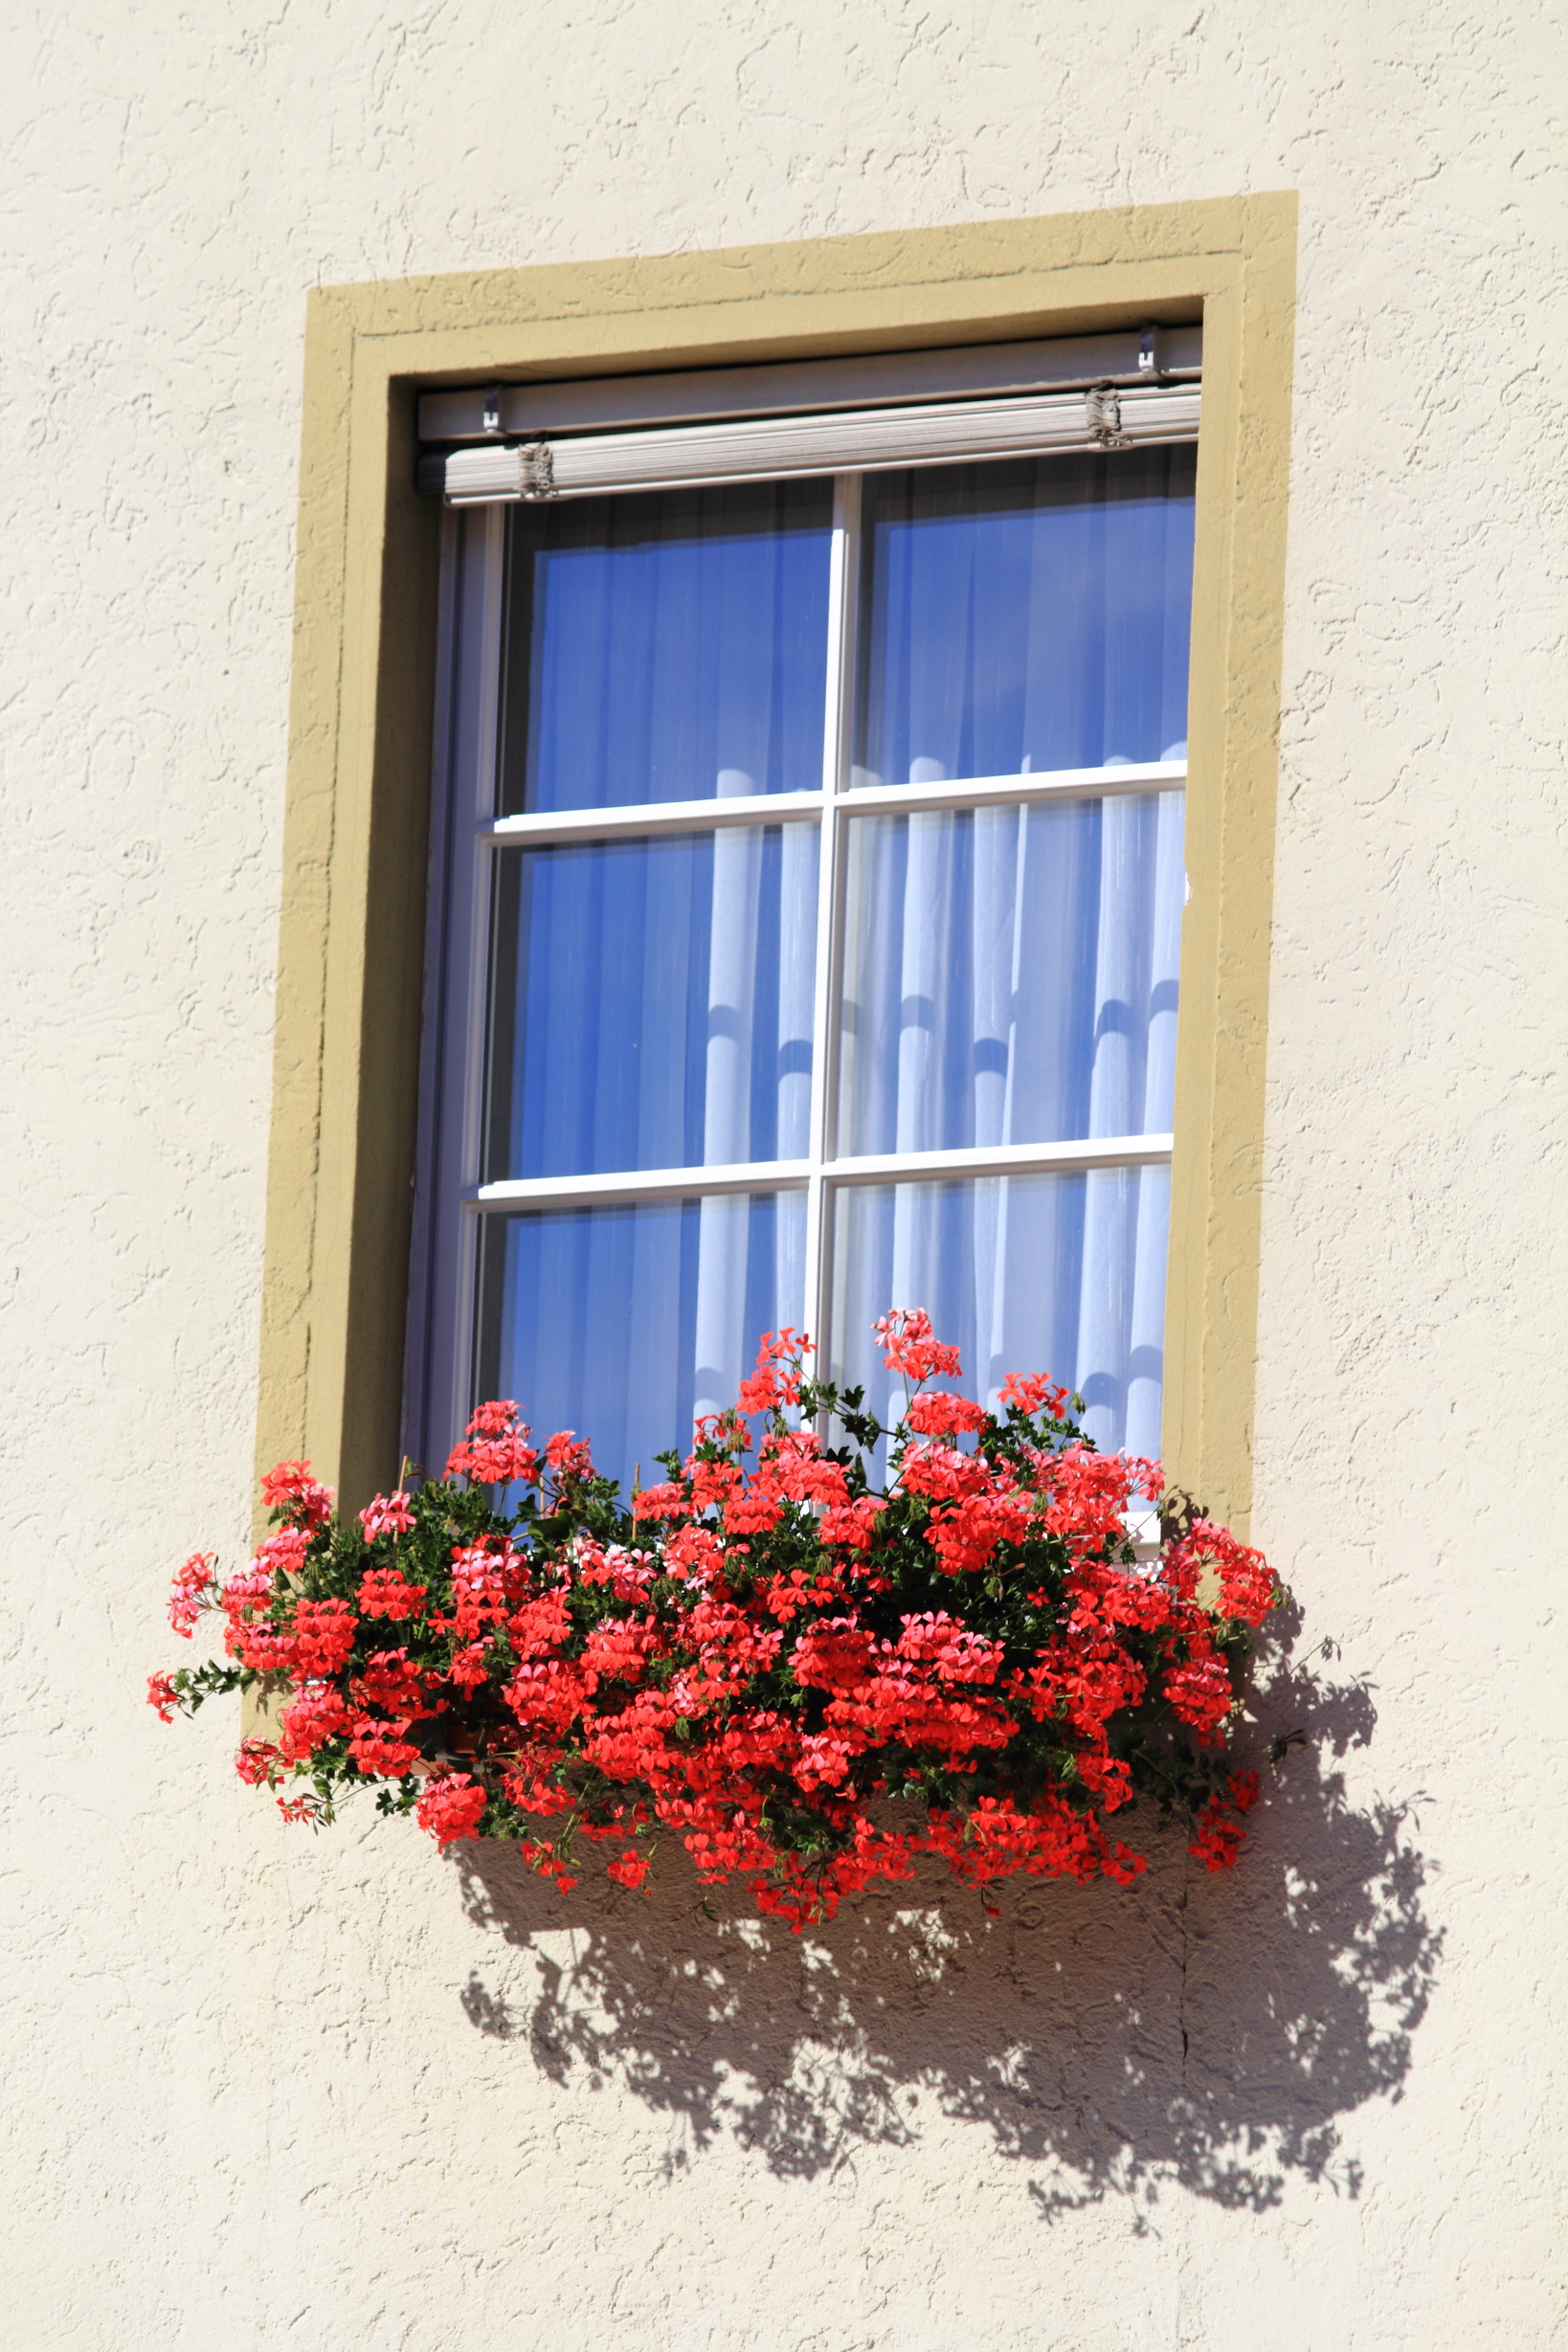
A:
651, 1002
1060, 1275
1028, 615
626, 1323
659, 643
1010, 974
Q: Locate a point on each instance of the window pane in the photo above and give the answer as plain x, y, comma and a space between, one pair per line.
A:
1024, 615
651, 1002
1010, 974
626, 1323
1060, 1275
666, 646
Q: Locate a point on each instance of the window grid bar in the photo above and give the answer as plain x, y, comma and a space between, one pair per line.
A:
965, 1160
642, 817
641, 1185
992, 790
838, 726
1000, 1160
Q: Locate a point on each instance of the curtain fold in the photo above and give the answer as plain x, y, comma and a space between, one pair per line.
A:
1010, 974
726, 1127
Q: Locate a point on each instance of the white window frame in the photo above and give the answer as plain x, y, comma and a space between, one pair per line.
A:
450, 1195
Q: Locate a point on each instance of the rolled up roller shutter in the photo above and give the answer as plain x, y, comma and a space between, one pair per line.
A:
775, 448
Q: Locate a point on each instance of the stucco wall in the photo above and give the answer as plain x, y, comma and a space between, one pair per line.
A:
269, 2091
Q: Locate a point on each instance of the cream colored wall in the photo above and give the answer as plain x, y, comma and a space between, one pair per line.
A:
264, 2091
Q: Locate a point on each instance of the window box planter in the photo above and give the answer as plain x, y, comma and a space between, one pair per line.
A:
767, 1645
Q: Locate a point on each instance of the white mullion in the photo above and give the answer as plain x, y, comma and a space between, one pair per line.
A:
640, 817
842, 585
760, 1175
1156, 775
795, 1174
1003, 1160
648, 817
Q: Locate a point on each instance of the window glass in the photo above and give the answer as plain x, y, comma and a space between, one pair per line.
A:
1064, 1274
1010, 974
1025, 616
666, 646
998, 969
624, 1322
651, 1002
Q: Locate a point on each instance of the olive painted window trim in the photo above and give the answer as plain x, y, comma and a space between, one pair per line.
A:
357, 830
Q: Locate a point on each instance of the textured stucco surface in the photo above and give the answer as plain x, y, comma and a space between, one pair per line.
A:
265, 2091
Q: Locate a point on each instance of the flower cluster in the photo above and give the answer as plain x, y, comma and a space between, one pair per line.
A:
809, 1679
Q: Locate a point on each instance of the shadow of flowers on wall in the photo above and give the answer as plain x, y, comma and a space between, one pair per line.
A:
1201, 2030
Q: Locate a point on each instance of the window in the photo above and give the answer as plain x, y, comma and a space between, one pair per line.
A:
343, 1373
807, 902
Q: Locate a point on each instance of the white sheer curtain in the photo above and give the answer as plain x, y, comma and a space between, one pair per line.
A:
652, 1007
651, 1002
657, 640
1025, 616
589, 1316
1011, 977
725, 1345
1127, 1212
1009, 973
